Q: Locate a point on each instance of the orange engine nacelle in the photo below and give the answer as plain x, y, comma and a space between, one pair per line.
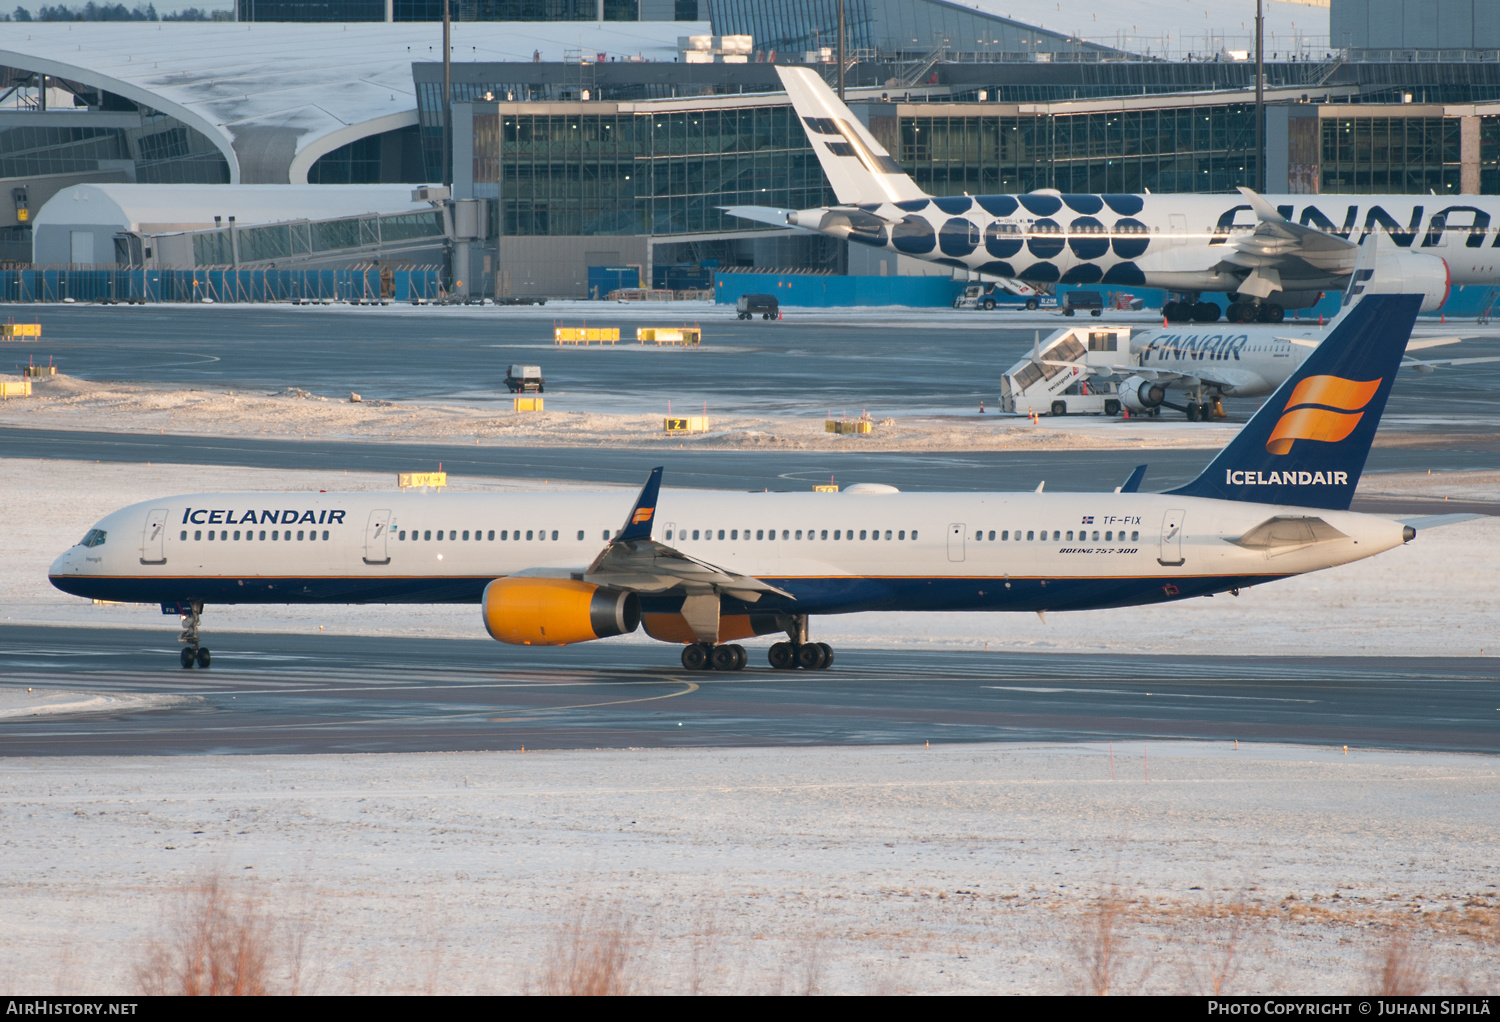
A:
556, 611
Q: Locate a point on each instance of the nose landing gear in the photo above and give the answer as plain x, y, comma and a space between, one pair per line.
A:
192, 653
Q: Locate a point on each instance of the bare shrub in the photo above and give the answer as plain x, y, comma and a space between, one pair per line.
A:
592, 955
1217, 951
213, 943
1101, 957
1397, 969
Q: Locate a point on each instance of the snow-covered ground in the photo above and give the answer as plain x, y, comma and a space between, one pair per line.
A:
1390, 604
954, 869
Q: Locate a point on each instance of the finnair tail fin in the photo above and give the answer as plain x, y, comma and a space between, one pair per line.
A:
1307, 444
857, 167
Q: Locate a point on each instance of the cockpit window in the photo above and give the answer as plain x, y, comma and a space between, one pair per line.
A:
95, 537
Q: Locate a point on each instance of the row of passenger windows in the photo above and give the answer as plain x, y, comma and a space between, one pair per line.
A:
479, 534
276, 534
764, 534
1058, 534
507, 535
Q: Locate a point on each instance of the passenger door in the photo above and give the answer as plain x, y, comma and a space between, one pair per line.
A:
956, 533
1171, 538
154, 537
376, 533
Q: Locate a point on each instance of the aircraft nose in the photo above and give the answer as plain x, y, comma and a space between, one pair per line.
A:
65, 564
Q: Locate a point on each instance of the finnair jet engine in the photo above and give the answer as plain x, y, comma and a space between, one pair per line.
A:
1141, 395
556, 611
1408, 273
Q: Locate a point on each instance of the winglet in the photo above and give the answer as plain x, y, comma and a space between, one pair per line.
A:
1263, 209
643, 512
1133, 484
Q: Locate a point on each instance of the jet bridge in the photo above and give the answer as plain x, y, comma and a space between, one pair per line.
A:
1050, 380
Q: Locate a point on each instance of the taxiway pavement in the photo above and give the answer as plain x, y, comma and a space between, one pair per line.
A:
342, 694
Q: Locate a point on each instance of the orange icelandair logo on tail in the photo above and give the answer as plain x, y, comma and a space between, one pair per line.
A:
642, 514
1322, 408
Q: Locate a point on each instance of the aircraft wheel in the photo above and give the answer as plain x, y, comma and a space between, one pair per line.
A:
827, 656
723, 658
1192, 411
1270, 312
189, 657
782, 656
809, 656
203, 658
694, 657
1206, 312
1233, 312
739, 657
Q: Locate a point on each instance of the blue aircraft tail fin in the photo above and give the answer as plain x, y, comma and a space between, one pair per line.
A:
1307, 444
643, 513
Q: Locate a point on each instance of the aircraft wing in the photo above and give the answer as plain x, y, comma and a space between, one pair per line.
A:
1279, 248
1222, 376
1425, 365
635, 561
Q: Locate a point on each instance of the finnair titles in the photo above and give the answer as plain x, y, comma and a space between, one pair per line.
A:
1268, 253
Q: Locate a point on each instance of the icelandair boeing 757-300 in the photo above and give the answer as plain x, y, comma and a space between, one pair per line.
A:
704, 569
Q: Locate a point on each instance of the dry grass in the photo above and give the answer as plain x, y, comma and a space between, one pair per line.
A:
214, 943
593, 955
1397, 968
217, 941
1101, 956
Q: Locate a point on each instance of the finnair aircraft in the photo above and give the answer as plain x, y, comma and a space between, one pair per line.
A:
1210, 363
1269, 253
704, 569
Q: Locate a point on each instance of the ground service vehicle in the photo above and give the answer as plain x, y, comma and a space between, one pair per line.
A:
764, 306
1012, 295
1075, 301
1055, 378
525, 379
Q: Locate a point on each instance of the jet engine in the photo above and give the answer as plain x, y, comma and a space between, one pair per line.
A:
1411, 273
1141, 395
556, 611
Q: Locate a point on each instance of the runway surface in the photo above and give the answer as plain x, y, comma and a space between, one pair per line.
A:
331, 694
891, 362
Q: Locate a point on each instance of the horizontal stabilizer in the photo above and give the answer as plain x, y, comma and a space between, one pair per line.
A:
761, 214
1438, 521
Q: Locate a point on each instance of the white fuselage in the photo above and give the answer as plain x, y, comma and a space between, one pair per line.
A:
1176, 242
833, 552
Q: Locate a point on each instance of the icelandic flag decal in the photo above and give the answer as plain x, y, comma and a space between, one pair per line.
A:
1088, 519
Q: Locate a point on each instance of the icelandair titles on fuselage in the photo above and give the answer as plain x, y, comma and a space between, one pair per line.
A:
1235, 477
287, 517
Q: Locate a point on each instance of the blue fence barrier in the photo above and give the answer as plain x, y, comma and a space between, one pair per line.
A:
809, 290
217, 285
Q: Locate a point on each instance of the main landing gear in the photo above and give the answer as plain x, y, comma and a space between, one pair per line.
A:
799, 652
810, 656
703, 656
192, 653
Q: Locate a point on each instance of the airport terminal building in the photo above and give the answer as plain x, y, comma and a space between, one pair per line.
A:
622, 152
